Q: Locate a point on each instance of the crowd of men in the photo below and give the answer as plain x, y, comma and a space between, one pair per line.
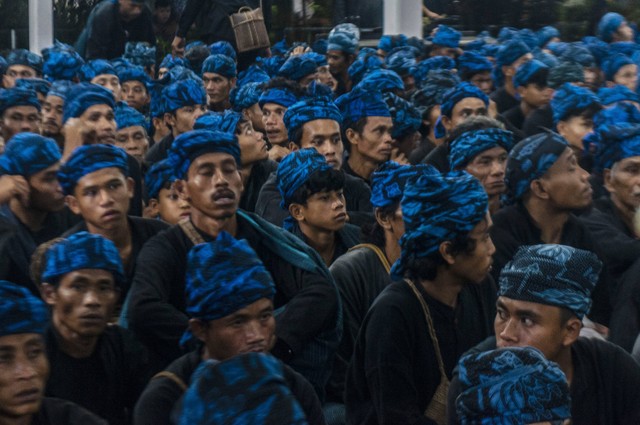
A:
426, 232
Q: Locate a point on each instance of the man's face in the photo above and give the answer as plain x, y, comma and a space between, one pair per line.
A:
217, 87
20, 119
130, 10
535, 95
110, 82
253, 148
24, 370
483, 81
337, 61
82, 302
162, 72
529, 324
272, 117
623, 33
45, 192
627, 76
134, 141
102, 198
162, 14
325, 77
474, 266
183, 119
324, 211
467, 107
52, 116
213, 186
566, 185
17, 71
510, 70
254, 113
135, 94
100, 118
375, 141
489, 167
574, 129
623, 183
171, 207
324, 136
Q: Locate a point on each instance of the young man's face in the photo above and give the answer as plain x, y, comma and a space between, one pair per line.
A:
171, 208
135, 94
272, 117
253, 148
82, 302
623, 33
375, 141
213, 186
535, 95
574, 129
324, 136
162, 14
324, 211
102, 198
52, 109
45, 192
24, 370
17, 71
623, 183
465, 108
130, 10
566, 185
183, 119
337, 61
20, 119
489, 167
325, 77
248, 330
110, 82
627, 76
474, 266
101, 119
134, 141
483, 81
217, 87
254, 113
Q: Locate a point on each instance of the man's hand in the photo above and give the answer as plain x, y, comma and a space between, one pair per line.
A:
276, 153
76, 133
177, 46
399, 157
13, 187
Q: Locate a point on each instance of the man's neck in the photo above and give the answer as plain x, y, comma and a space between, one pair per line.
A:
360, 165
549, 220
494, 204
565, 361
391, 248
22, 420
526, 108
219, 107
625, 213
444, 288
73, 344
323, 241
31, 218
213, 226
120, 236
508, 86
245, 173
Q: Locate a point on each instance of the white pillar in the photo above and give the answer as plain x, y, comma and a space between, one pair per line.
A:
40, 24
403, 17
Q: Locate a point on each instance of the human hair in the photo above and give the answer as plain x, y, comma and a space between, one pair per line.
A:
39, 261
372, 232
357, 126
586, 113
319, 181
283, 83
241, 121
566, 315
539, 78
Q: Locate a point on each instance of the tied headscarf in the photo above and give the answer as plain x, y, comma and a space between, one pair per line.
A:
407, 119
60, 89
556, 275
471, 143
26, 58
617, 93
527, 71
226, 121
83, 96
473, 62
617, 135
183, 93
134, 73
157, 177
20, 311
249, 388
27, 154
126, 117
18, 96
446, 36
389, 42
438, 208
402, 60
579, 53
295, 169
61, 62
571, 98
270, 65
565, 72
298, 67
545, 34
171, 61
389, 180
39, 85
310, 109
278, 95
344, 38
3, 65
423, 68
511, 386
359, 104
613, 63
223, 48
609, 24
245, 96
452, 97
140, 53
253, 74
82, 250
381, 80
433, 89
192, 144
320, 46
96, 67
529, 160
220, 64
88, 159
363, 65
507, 55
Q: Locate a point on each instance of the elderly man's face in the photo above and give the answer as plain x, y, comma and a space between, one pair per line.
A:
623, 183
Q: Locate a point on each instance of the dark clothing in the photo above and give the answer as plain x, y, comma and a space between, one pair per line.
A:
162, 394
394, 370
605, 389
135, 172
421, 152
539, 121
259, 175
159, 151
156, 304
357, 195
346, 237
361, 277
504, 101
106, 34
54, 411
513, 227
439, 158
109, 382
515, 117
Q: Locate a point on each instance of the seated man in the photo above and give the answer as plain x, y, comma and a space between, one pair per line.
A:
613, 27
100, 367
510, 56
545, 292
245, 99
25, 368
619, 69
219, 77
312, 192
19, 112
163, 201
207, 164
476, 69
131, 133
530, 82
52, 109
21, 63
342, 48
134, 81
102, 73
227, 285
446, 42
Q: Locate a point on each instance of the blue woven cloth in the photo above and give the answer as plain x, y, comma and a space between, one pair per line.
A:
88, 159
60, 89
381, 80
570, 97
134, 73
223, 48
28, 154
96, 67
245, 96
309, 109
26, 58
140, 53
609, 24
446, 36
226, 121
253, 74
188, 146
39, 85
545, 34
616, 136
278, 95
527, 71
157, 176
359, 103
20, 311
295, 169
468, 145
298, 67
183, 93
617, 93
390, 178
61, 62
126, 117
473, 62
612, 64
83, 96
18, 96
407, 119
344, 38
220, 64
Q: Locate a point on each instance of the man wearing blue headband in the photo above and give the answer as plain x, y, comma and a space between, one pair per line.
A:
419, 326
102, 73
620, 69
134, 82
445, 41
52, 108
219, 77
476, 68
341, 53
613, 27
163, 201
131, 133
508, 60
19, 112
544, 294
206, 164
21, 63
530, 82
100, 367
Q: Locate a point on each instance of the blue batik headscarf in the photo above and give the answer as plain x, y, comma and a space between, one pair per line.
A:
381, 80
310, 109
61, 62
470, 144
223, 48
226, 121
27, 154
407, 119
612, 64
82, 250
344, 38
446, 36
140, 53
511, 386
579, 53
83, 96
473, 63
220, 64
60, 89
507, 55
126, 117
248, 389
278, 95
433, 89
527, 71
609, 24
253, 74
545, 34
3, 65
18, 96
298, 67
270, 65
389, 180
402, 60
20, 311
192, 144
556, 275
158, 175
40, 85
134, 73
26, 58
245, 96
437, 208
171, 61
183, 93
88, 159
359, 104
616, 136
389, 42
452, 97
565, 72
363, 65
423, 68
529, 160
569, 98
295, 169
617, 93
96, 67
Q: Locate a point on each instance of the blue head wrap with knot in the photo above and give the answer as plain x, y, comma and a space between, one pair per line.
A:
253, 74
170, 61
220, 64
140, 53
363, 65
359, 104
79, 251
278, 95
28, 154
88, 159
471, 143
344, 38
390, 178
310, 109
507, 55
270, 65
158, 175
226, 121
570, 97
39, 85
298, 67
407, 119
245, 96
616, 136
26, 58
60, 88
126, 117
423, 68
432, 90
613, 63
565, 72
61, 62
192, 144
609, 24
617, 93
527, 71
438, 208
18, 96
96, 67
223, 48
579, 53
134, 73
295, 169
381, 80
446, 36
512, 386
473, 62
556, 275
183, 93
463, 90
20, 311
401, 60
83, 96
545, 34
389, 42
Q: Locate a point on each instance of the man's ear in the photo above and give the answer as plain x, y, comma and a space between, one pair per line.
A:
446, 122
561, 127
508, 70
72, 202
537, 189
293, 147
383, 220
183, 191
445, 250
151, 210
198, 329
606, 175
170, 119
572, 327
48, 293
296, 211
352, 136
131, 189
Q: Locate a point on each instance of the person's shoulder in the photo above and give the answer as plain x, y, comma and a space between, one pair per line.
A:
54, 411
151, 225
355, 257
507, 214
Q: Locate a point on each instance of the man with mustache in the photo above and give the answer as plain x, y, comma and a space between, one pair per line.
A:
19, 112
52, 109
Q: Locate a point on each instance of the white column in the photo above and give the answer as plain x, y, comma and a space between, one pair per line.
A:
40, 24
403, 17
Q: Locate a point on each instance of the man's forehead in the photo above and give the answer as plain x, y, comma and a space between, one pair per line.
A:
20, 68
100, 108
321, 126
212, 158
99, 176
23, 109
